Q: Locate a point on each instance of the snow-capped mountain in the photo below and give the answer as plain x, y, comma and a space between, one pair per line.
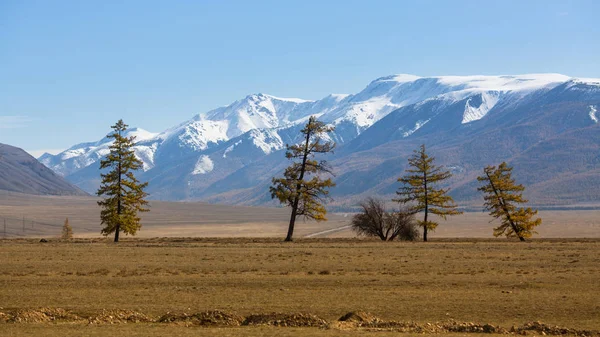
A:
234, 150
83, 155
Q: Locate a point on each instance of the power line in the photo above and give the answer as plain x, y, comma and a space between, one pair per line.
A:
37, 228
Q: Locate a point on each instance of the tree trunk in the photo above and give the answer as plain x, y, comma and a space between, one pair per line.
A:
118, 227
426, 207
385, 236
288, 238
382, 236
117, 233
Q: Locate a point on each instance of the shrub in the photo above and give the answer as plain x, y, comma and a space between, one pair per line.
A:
375, 221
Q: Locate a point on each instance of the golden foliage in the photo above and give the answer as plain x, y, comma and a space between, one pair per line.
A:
305, 196
418, 189
501, 193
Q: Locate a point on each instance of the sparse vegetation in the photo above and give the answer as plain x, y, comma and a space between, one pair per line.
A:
305, 196
174, 283
375, 221
418, 189
67, 231
124, 194
501, 194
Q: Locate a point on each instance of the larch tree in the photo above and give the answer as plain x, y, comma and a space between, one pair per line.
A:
67, 230
124, 194
302, 187
501, 194
419, 189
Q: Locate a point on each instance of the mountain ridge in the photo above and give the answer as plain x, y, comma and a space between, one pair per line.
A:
201, 158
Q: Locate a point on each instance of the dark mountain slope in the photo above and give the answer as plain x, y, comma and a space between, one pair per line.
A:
20, 172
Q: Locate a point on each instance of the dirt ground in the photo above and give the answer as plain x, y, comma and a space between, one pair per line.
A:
466, 281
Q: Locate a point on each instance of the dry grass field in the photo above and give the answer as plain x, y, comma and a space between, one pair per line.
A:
172, 285
496, 282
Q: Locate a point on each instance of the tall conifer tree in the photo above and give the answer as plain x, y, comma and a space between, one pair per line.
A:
124, 194
419, 189
501, 193
305, 196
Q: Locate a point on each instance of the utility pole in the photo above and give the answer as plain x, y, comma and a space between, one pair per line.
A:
5, 228
23, 224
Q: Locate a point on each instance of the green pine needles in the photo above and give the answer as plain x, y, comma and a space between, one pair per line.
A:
305, 196
124, 194
419, 190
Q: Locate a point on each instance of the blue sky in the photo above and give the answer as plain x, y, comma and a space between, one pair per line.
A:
70, 69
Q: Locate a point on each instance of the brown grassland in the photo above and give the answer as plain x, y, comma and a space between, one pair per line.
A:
499, 282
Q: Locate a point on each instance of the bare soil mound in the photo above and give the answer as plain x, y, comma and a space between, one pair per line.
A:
41, 315
545, 329
355, 320
430, 328
120, 316
4, 317
207, 318
286, 320
359, 317
29, 316
532, 328
472, 327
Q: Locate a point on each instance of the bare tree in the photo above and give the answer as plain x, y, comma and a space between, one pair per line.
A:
375, 221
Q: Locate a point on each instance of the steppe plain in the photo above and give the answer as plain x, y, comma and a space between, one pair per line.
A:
223, 271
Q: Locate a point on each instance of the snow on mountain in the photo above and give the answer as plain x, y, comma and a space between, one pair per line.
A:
82, 155
140, 134
259, 111
197, 133
351, 114
293, 100
527, 82
231, 147
538, 124
389, 93
419, 124
587, 81
592, 113
476, 112
203, 165
267, 140
214, 144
